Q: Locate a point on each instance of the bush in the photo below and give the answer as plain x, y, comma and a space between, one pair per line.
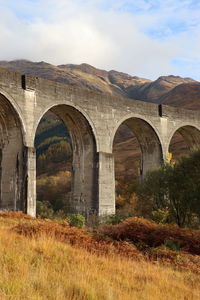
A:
44, 210
76, 220
93, 221
149, 234
114, 219
160, 216
119, 217
174, 246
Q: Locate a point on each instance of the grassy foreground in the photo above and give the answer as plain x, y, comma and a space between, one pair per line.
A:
43, 263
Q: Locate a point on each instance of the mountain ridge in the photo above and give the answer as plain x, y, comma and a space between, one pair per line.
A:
112, 82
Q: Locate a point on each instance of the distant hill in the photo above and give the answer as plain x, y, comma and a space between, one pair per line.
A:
83, 75
111, 82
153, 91
184, 95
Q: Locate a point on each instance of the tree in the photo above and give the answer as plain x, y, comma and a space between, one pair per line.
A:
151, 193
175, 188
183, 181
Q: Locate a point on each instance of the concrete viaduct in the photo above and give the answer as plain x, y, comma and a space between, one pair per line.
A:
93, 120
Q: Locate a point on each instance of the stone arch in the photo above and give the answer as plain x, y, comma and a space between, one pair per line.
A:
78, 109
84, 193
13, 170
190, 135
148, 139
17, 111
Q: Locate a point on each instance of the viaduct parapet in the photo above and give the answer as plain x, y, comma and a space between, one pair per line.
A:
93, 120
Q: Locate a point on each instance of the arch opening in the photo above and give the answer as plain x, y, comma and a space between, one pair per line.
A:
13, 158
184, 140
137, 150
66, 162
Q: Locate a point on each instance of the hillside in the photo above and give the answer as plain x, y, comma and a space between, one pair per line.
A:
184, 95
111, 82
84, 76
51, 260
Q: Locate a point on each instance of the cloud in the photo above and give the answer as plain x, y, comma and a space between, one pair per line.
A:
144, 38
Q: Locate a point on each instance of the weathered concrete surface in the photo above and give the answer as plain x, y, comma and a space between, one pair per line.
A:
93, 120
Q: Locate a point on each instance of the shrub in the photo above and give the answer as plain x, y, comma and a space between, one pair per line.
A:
44, 210
172, 245
76, 220
93, 221
145, 232
160, 215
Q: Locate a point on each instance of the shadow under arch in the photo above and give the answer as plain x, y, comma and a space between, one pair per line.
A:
150, 145
183, 140
13, 159
84, 187
76, 108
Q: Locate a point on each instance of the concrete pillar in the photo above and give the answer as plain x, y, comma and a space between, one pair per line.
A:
11, 173
31, 181
106, 184
151, 161
166, 156
9, 179
84, 182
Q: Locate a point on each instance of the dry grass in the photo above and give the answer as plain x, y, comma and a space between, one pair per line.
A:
77, 238
44, 265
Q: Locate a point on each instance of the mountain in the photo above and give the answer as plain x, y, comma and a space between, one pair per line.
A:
184, 95
153, 91
111, 82
84, 76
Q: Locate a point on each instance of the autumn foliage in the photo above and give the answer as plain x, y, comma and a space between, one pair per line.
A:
76, 237
135, 238
150, 234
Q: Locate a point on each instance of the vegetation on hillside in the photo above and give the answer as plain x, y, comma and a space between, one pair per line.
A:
41, 259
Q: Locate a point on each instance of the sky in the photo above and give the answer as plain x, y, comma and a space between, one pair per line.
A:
145, 38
